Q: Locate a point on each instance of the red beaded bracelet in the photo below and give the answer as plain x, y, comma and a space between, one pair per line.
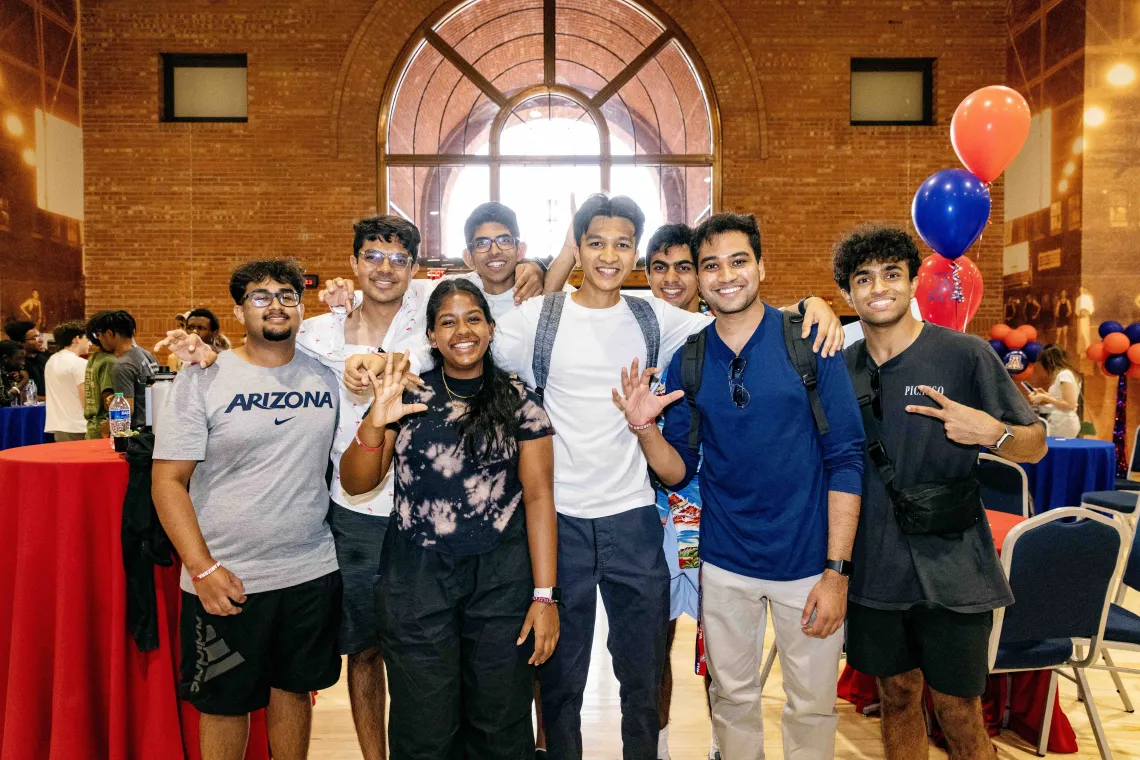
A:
369, 449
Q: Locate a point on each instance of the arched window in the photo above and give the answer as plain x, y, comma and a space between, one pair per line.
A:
538, 103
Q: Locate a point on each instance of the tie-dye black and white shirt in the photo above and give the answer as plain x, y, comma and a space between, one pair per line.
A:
446, 499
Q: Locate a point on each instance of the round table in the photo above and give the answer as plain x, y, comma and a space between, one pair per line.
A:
1073, 466
72, 682
22, 426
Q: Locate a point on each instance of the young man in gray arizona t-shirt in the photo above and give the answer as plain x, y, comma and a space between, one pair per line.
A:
238, 483
921, 606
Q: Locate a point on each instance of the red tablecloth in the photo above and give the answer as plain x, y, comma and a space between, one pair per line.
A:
72, 682
1026, 691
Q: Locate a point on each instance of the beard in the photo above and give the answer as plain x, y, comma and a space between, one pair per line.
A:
276, 335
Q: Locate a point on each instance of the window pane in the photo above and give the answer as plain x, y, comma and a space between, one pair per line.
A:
542, 197
550, 125
886, 96
437, 199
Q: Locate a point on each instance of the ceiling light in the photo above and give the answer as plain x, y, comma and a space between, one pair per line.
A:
433, 213
535, 113
30, 156
1095, 116
1078, 146
13, 124
1121, 75
1069, 169
1062, 186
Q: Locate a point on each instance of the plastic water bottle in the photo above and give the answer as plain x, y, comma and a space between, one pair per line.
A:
30, 398
119, 414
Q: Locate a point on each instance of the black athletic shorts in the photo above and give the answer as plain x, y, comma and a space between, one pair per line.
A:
951, 648
284, 639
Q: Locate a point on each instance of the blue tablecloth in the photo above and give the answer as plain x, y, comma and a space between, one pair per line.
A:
22, 426
1072, 467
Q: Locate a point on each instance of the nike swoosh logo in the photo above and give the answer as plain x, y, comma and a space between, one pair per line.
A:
281, 422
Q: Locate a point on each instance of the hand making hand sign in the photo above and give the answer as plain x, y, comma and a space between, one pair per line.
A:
965, 425
640, 405
388, 395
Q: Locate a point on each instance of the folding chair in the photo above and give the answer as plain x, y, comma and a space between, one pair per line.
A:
1004, 485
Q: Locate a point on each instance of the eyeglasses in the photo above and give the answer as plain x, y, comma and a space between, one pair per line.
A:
263, 298
740, 395
483, 244
395, 260
877, 399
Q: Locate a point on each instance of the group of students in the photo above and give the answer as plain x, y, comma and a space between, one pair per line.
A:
501, 454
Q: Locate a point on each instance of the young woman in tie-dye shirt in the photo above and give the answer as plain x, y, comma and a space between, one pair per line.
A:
473, 533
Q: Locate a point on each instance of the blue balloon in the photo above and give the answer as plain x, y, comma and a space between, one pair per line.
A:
1032, 350
1117, 365
1016, 361
1108, 327
950, 210
1133, 332
998, 346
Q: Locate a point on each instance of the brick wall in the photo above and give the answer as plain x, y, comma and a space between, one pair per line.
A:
171, 208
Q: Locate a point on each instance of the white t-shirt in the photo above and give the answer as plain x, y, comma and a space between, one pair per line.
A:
63, 372
1060, 423
322, 337
599, 469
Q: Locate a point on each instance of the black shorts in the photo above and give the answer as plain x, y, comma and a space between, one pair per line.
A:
950, 648
283, 639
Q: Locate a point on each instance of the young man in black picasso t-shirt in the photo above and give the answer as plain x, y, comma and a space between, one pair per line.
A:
921, 610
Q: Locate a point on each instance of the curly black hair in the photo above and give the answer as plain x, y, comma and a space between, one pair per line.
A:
284, 271
878, 243
669, 236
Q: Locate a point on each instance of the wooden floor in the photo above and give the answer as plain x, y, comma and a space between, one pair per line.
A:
334, 737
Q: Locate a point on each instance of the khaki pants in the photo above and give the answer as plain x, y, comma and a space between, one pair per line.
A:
61, 437
734, 611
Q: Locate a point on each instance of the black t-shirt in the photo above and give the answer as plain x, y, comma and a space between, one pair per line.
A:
894, 571
446, 499
34, 365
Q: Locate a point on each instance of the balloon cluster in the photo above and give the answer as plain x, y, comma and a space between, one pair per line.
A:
1018, 348
952, 207
1119, 349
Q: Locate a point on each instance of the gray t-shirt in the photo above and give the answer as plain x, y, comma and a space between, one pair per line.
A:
894, 571
133, 371
261, 437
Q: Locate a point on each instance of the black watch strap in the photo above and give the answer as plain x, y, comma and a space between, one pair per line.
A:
802, 305
841, 566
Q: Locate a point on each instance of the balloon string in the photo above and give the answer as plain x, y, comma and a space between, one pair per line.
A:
956, 277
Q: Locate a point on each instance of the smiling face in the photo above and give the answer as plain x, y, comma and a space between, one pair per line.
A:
461, 332
880, 292
495, 265
272, 322
608, 251
729, 272
383, 270
673, 277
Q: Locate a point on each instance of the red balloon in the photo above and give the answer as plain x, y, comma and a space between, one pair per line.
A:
935, 291
1016, 339
1024, 374
999, 331
1096, 353
1116, 343
1030, 332
988, 129
1134, 354
1133, 371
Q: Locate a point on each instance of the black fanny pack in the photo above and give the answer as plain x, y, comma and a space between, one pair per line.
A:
934, 508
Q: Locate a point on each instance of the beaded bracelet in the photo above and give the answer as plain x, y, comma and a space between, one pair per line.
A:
366, 447
635, 428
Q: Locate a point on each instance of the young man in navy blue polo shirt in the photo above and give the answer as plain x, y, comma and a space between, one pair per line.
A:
781, 500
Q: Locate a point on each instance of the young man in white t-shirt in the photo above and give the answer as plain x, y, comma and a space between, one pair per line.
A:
609, 533
63, 381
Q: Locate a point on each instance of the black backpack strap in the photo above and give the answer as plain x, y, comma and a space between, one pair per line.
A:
650, 329
804, 362
692, 368
552, 304
861, 378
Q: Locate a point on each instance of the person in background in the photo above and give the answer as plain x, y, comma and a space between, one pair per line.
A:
98, 385
13, 378
671, 270
134, 366
474, 532
206, 326
35, 351
1058, 405
65, 376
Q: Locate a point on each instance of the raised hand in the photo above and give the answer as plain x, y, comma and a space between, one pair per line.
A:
338, 293
964, 424
829, 336
388, 394
637, 402
188, 347
357, 368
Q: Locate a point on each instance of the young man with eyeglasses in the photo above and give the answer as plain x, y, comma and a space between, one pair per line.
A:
780, 498
921, 605
239, 487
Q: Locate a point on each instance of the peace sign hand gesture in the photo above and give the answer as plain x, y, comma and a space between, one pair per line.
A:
638, 403
964, 424
388, 394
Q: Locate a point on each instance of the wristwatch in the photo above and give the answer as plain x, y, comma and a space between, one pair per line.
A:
550, 595
841, 566
802, 305
1007, 434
